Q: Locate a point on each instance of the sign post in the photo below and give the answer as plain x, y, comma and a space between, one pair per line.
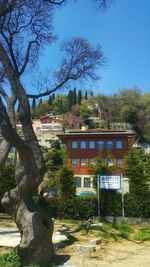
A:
122, 198
98, 196
113, 182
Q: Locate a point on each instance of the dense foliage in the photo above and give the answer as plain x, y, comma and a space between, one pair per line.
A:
87, 207
7, 179
128, 106
138, 172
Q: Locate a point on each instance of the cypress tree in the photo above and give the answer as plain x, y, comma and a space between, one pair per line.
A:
33, 103
86, 96
79, 97
91, 94
40, 101
74, 97
69, 100
33, 108
50, 100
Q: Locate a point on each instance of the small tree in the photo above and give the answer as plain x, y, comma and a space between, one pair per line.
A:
69, 98
33, 109
138, 172
67, 186
79, 97
74, 97
54, 159
85, 112
86, 95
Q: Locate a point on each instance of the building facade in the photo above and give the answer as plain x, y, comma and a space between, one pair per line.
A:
84, 146
46, 129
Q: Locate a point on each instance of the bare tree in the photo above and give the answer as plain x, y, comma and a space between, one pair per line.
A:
25, 27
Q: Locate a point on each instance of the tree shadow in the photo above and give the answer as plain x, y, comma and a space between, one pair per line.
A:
60, 259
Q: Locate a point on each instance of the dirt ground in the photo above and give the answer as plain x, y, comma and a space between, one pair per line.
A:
108, 254
125, 254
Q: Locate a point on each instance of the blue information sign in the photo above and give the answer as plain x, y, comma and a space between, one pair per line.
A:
109, 182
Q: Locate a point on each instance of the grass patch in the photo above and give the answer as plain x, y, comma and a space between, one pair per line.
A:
11, 259
123, 227
142, 234
115, 231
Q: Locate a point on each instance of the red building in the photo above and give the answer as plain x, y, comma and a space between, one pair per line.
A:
84, 146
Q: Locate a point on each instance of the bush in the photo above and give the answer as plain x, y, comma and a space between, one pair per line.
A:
87, 207
137, 206
110, 203
75, 208
7, 180
10, 259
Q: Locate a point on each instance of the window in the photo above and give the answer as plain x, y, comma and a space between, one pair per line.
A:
57, 127
91, 161
119, 144
74, 144
119, 162
100, 144
74, 162
110, 162
83, 144
82, 162
87, 182
109, 144
46, 127
78, 182
91, 144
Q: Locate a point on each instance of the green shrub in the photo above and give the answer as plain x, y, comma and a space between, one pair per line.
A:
110, 203
142, 234
137, 206
87, 207
7, 180
10, 259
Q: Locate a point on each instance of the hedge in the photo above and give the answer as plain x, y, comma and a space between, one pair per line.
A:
87, 207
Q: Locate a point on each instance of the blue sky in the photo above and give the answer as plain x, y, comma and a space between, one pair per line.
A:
124, 34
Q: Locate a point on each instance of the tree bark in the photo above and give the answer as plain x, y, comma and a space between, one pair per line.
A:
34, 224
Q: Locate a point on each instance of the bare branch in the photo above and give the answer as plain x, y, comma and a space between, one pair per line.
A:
104, 4
26, 25
54, 2
80, 62
27, 57
6, 7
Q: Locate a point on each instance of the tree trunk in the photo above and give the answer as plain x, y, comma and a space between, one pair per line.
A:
35, 226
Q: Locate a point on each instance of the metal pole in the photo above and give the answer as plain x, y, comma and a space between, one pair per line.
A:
122, 197
98, 196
